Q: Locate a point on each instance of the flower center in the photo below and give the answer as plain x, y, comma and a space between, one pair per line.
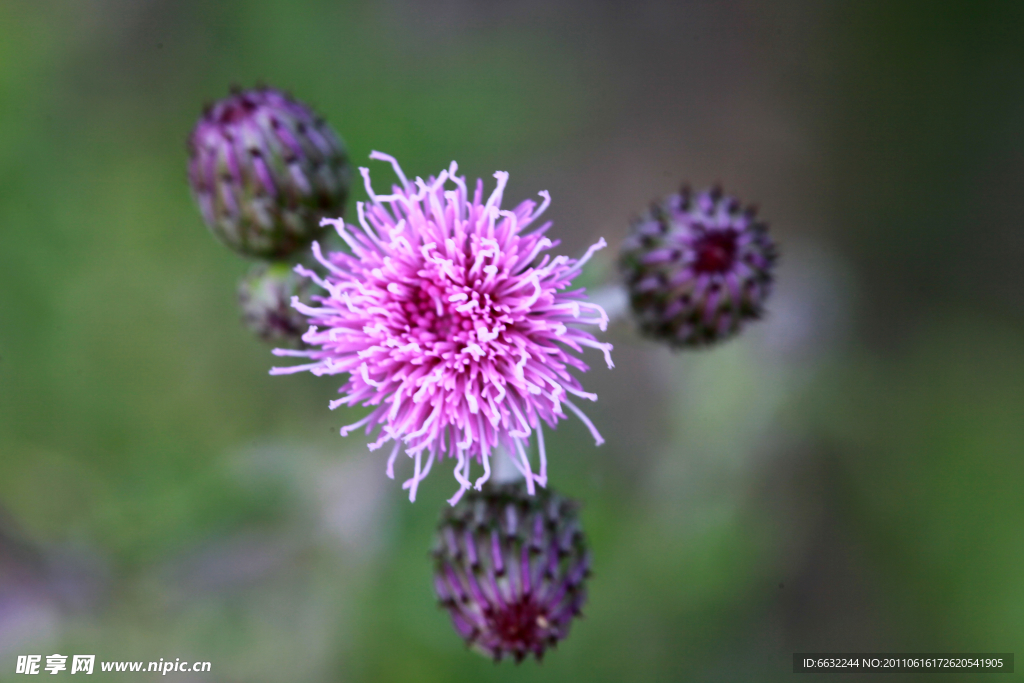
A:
716, 251
518, 622
433, 316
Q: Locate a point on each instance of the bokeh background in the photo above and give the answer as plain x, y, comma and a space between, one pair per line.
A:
844, 477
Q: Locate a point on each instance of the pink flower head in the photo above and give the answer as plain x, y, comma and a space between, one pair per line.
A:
452, 323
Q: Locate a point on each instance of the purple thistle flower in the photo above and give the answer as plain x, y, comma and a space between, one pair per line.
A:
697, 268
510, 569
452, 324
264, 170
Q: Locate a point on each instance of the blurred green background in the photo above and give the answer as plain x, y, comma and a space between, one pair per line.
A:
845, 477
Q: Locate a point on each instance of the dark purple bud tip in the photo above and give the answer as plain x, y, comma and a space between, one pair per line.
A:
697, 267
265, 297
522, 590
264, 170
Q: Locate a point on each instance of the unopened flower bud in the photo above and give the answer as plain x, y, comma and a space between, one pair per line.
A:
697, 267
265, 297
510, 568
264, 170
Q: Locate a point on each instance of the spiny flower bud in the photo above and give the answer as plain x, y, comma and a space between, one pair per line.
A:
265, 297
697, 267
264, 170
510, 569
